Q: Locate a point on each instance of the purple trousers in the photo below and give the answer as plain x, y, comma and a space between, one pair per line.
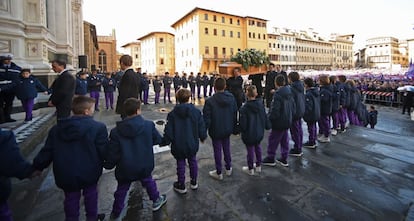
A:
146, 96
109, 100
192, 163
277, 137
95, 94
335, 119
167, 93
28, 108
296, 133
71, 204
342, 117
312, 132
122, 190
5, 213
251, 152
324, 125
157, 98
219, 146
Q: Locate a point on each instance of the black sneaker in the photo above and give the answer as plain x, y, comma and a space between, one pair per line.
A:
295, 152
180, 187
101, 216
113, 216
159, 202
269, 162
310, 145
283, 162
193, 184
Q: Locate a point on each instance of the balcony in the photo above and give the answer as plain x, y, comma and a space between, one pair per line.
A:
216, 57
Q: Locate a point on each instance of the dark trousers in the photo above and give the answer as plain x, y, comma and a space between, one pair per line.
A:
253, 150
146, 96
205, 90
95, 95
199, 91
219, 146
109, 100
324, 125
296, 133
335, 119
6, 102
28, 108
122, 190
157, 98
71, 204
277, 137
192, 92
192, 163
210, 92
167, 92
312, 132
5, 213
342, 117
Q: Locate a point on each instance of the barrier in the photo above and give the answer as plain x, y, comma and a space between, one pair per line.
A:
379, 97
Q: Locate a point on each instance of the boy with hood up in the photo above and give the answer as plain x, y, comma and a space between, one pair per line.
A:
184, 128
76, 146
220, 117
130, 149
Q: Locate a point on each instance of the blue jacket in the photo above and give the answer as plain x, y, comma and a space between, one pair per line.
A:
298, 92
81, 86
145, 83
107, 86
282, 109
130, 149
342, 93
76, 146
167, 81
312, 105
94, 83
26, 88
253, 122
354, 98
326, 99
347, 92
336, 95
157, 84
184, 82
220, 115
177, 81
185, 127
12, 163
192, 81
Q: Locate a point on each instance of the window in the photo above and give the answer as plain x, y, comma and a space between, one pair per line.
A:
206, 50
223, 33
206, 16
214, 18
250, 34
162, 61
102, 60
215, 32
223, 52
161, 40
231, 21
238, 21
215, 52
223, 20
231, 51
231, 34
238, 34
206, 31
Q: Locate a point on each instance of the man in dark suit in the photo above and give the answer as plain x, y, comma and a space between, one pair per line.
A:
63, 90
129, 84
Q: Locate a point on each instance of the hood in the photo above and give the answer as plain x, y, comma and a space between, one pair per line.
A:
253, 105
183, 110
314, 91
131, 127
284, 91
298, 85
224, 98
73, 128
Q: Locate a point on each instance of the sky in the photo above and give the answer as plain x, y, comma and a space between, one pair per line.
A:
366, 19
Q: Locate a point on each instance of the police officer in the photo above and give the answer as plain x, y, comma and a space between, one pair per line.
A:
9, 74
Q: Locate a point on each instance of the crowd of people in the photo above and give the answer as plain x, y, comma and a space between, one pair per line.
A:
327, 105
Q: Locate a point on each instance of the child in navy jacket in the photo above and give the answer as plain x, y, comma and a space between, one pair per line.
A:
130, 149
296, 131
185, 127
81, 84
156, 83
76, 147
325, 91
12, 164
26, 92
220, 117
253, 122
109, 86
312, 111
282, 110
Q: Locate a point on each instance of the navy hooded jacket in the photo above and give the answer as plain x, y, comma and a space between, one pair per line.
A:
282, 109
130, 149
109, 84
185, 127
312, 105
220, 115
336, 95
76, 146
12, 163
326, 99
253, 122
26, 88
298, 92
81, 86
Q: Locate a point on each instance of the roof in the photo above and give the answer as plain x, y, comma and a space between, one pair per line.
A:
153, 33
208, 10
130, 43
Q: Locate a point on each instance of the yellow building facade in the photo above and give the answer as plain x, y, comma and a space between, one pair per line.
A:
206, 38
107, 57
134, 49
342, 51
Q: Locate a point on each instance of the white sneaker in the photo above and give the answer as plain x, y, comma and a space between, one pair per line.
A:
320, 136
229, 172
216, 176
324, 139
258, 169
247, 171
334, 132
